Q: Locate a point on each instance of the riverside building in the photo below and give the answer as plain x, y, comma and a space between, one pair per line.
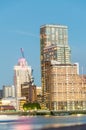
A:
62, 86
8, 91
23, 82
22, 74
29, 91
65, 89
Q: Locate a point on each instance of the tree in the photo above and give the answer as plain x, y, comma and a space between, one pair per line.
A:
31, 106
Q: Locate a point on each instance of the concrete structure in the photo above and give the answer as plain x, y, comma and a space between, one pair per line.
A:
39, 95
1, 94
29, 91
39, 90
8, 101
8, 91
22, 74
65, 89
53, 46
54, 43
23, 81
62, 86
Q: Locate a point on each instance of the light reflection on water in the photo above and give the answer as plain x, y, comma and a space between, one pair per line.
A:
39, 122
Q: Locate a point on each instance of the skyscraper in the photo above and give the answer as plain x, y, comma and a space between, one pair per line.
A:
62, 86
53, 46
22, 74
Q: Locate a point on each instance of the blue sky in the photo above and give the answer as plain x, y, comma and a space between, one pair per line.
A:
20, 22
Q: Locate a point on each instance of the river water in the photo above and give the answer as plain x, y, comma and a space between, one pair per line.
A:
40, 122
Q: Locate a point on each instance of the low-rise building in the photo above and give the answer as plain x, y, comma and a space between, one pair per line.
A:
29, 91
8, 91
65, 88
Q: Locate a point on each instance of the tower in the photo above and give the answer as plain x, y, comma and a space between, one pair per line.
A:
53, 46
62, 86
22, 74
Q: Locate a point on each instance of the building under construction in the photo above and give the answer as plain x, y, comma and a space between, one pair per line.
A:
65, 88
62, 86
23, 81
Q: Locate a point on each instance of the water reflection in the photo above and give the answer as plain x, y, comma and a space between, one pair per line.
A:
44, 123
27, 123
23, 127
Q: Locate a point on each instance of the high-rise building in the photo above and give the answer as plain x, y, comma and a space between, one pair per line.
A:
22, 74
53, 46
62, 86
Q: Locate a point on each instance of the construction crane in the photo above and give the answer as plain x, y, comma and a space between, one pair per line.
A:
22, 52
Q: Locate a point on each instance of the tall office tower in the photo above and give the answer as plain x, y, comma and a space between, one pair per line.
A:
53, 46
22, 74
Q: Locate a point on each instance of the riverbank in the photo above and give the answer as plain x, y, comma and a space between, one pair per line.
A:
70, 127
20, 113
43, 112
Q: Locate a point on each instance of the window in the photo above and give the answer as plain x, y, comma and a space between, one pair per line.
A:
53, 37
53, 30
47, 31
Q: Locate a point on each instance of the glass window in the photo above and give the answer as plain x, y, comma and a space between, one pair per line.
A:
47, 31
65, 31
53, 37
60, 31
53, 30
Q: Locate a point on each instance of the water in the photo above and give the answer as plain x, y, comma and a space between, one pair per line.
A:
39, 122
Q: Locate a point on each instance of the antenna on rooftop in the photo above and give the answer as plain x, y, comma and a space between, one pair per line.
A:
22, 52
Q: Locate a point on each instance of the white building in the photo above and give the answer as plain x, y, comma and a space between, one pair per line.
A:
22, 74
9, 101
8, 91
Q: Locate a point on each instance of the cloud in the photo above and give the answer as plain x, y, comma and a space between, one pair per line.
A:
27, 34
19, 32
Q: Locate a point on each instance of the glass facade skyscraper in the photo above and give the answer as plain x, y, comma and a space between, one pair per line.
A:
53, 46
54, 43
62, 86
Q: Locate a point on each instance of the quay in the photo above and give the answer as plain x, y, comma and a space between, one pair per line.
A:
44, 112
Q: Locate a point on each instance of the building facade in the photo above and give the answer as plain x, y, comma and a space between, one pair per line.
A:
29, 91
8, 91
65, 89
1, 94
39, 95
22, 74
61, 83
53, 46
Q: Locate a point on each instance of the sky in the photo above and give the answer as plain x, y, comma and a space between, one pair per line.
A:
20, 22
